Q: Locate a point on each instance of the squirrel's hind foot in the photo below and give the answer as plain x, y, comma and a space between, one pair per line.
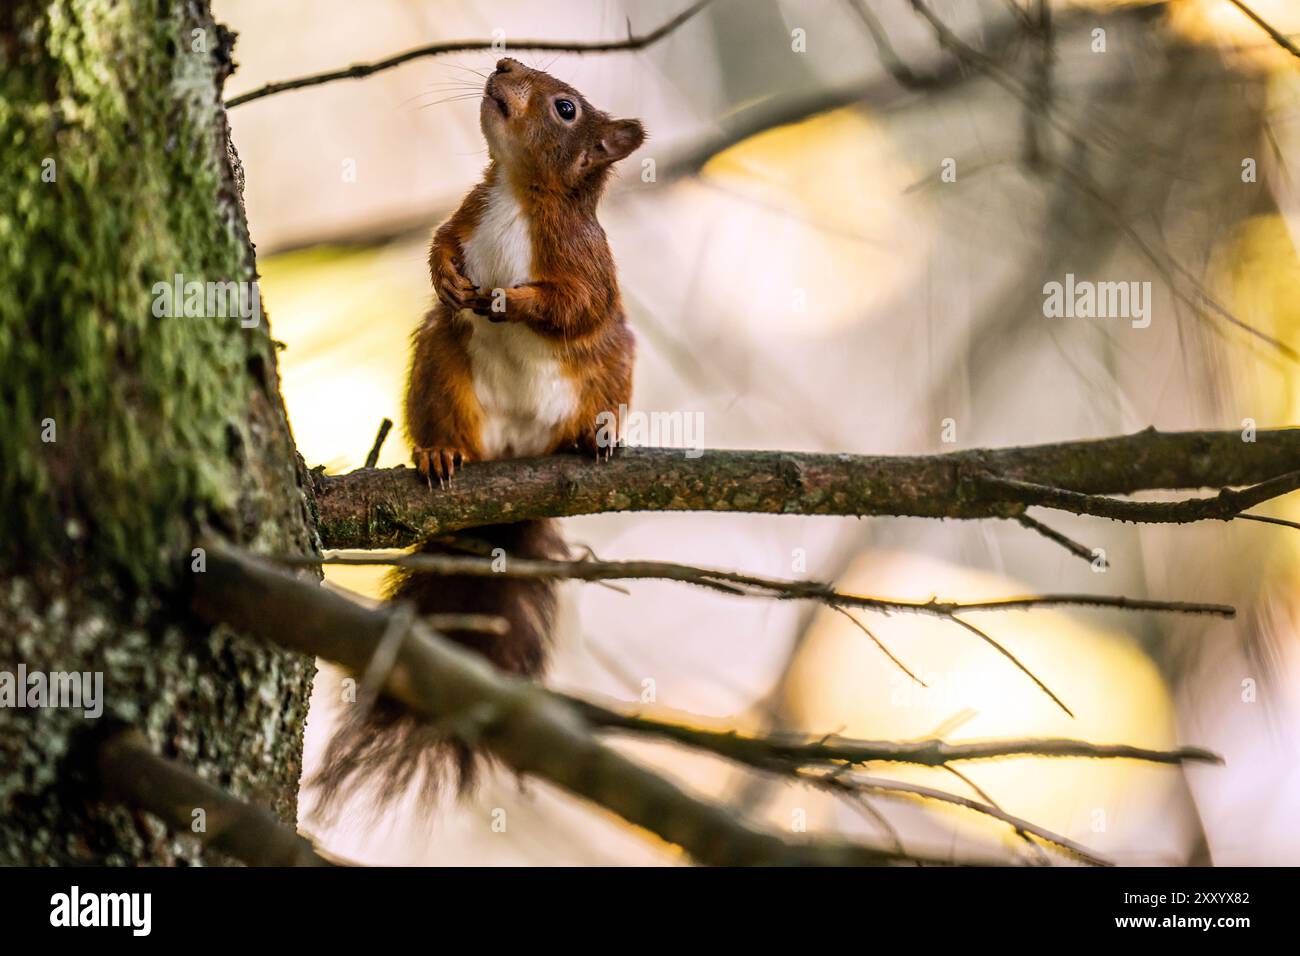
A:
438, 462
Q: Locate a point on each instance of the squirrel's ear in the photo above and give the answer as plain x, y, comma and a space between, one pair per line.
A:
621, 137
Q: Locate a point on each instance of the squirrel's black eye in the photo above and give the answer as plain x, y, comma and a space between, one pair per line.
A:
566, 109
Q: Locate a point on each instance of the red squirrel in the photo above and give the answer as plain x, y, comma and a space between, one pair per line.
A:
525, 348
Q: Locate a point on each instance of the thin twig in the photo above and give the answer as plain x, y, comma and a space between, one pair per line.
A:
1225, 506
1015, 661
1163, 261
889, 57
359, 70
1277, 36
1037, 147
735, 583
860, 803
855, 783
1051, 534
1028, 96
880, 644
802, 750
385, 426
987, 798
1021, 14
744, 585
1265, 519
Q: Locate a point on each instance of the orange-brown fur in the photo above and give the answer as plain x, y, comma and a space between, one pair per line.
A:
556, 172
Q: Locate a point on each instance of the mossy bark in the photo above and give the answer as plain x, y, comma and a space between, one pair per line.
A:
128, 436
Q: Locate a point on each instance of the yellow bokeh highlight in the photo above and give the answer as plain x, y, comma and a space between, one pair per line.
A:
345, 316
838, 233
1218, 21
850, 146
1257, 274
842, 683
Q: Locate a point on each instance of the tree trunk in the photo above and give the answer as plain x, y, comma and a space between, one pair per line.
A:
130, 434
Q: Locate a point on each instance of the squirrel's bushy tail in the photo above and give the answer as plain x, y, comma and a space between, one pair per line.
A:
382, 749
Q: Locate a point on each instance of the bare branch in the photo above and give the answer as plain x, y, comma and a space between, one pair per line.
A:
1021, 14
803, 750
372, 458
745, 585
889, 58
1051, 534
879, 644
734, 583
1037, 100
523, 724
359, 70
1278, 37
1033, 99
129, 771
964, 51
1224, 506
984, 795
856, 783
1199, 298
823, 760
1037, 145
384, 508
540, 732
1015, 661
1265, 519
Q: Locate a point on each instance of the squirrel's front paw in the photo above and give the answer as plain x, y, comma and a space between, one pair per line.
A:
492, 304
439, 462
452, 286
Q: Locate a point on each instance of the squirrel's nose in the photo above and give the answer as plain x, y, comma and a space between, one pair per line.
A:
506, 64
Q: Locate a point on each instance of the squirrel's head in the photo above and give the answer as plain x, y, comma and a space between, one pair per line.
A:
546, 133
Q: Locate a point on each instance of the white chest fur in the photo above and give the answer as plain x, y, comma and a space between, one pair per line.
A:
524, 393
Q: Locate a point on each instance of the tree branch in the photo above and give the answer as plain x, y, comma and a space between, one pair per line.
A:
894, 65
552, 735
747, 585
526, 726
735, 583
1051, 534
1016, 662
359, 70
859, 784
372, 458
1224, 506
1265, 519
823, 761
802, 750
1276, 35
385, 508
129, 771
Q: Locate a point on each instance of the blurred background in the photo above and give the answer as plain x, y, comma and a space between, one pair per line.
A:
800, 273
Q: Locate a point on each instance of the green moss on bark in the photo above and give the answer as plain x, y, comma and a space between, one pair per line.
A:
117, 177
117, 106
